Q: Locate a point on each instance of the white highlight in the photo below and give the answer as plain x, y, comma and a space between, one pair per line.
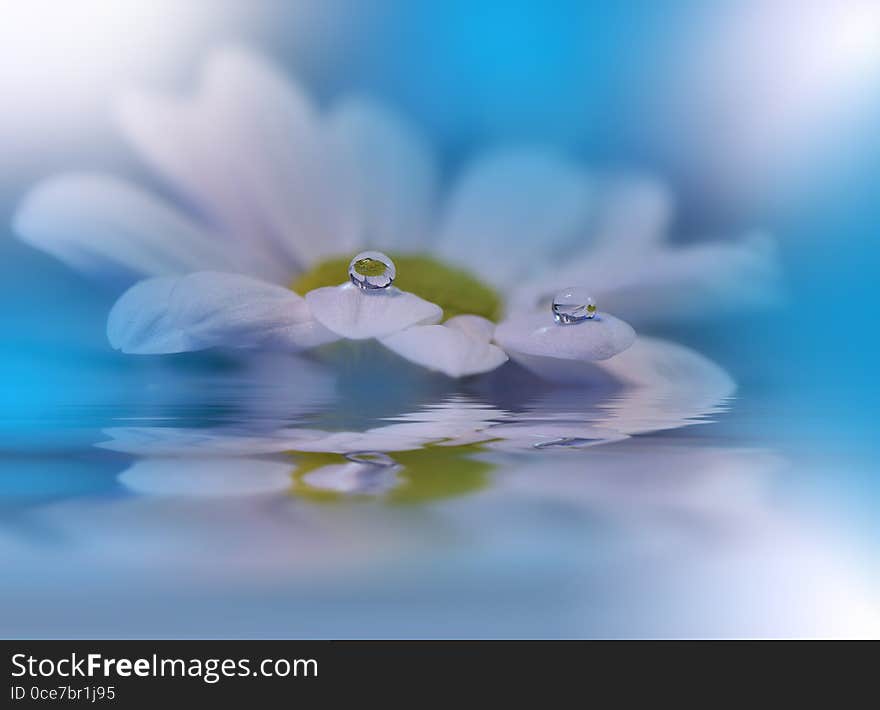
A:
774, 91
61, 64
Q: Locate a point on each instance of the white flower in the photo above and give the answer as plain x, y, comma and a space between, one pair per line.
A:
280, 194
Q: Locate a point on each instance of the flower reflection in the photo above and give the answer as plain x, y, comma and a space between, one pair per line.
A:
637, 538
416, 476
440, 448
452, 502
206, 477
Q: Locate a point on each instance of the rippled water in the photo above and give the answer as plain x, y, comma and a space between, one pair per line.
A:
222, 498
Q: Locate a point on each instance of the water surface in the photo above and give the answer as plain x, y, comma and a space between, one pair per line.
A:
290, 498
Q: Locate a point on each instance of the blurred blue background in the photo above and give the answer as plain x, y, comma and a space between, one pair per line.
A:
755, 113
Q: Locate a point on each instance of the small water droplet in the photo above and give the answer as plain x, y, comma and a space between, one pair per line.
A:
573, 305
564, 441
372, 270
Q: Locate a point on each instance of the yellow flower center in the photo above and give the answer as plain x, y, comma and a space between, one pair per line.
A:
455, 290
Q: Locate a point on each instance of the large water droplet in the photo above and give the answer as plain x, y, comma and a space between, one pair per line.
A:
573, 305
371, 458
372, 270
367, 473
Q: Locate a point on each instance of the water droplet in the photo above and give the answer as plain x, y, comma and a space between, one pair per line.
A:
372, 270
573, 305
368, 473
371, 458
564, 441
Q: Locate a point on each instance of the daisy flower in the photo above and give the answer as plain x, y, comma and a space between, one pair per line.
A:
276, 202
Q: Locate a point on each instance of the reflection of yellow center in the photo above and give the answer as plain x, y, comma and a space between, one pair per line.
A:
426, 474
370, 267
455, 290
591, 308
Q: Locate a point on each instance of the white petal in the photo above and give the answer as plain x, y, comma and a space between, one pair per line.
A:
719, 278
632, 270
209, 309
653, 385
353, 313
662, 283
507, 204
390, 173
457, 349
114, 231
632, 213
669, 386
477, 327
208, 478
249, 150
537, 335
660, 364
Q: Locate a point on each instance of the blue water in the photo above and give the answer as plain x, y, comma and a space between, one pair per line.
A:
174, 506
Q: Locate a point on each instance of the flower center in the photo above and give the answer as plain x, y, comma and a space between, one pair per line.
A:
455, 290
